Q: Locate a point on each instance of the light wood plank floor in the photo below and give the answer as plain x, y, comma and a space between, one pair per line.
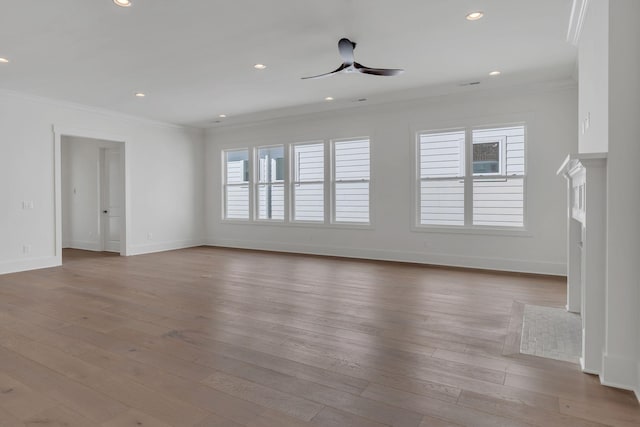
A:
219, 337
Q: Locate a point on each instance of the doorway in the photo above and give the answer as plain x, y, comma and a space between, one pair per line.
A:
91, 193
111, 199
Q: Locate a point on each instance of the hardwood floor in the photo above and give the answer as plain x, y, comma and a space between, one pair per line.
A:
218, 337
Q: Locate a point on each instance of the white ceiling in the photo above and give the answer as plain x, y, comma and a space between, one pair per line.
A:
194, 58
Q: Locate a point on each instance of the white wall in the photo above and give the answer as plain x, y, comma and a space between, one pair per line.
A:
593, 72
80, 193
165, 165
609, 67
551, 113
622, 353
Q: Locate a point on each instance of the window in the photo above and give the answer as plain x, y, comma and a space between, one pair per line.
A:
324, 182
487, 157
494, 181
498, 198
308, 182
351, 181
442, 172
270, 183
236, 186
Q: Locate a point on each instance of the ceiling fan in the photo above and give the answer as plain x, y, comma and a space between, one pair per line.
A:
349, 65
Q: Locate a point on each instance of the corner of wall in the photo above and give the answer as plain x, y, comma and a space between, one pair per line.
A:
164, 246
620, 372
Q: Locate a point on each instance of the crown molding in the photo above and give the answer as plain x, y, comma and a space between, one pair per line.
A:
90, 109
576, 19
516, 89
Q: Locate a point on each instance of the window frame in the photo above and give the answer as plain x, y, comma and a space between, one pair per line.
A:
255, 184
469, 227
502, 152
333, 182
420, 179
289, 220
225, 184
293, 182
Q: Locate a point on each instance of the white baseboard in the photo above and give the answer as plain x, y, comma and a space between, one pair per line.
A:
501, 264
163, 246
85, 246
619, 372
14, 266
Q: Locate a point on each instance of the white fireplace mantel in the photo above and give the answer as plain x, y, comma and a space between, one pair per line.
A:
586, 252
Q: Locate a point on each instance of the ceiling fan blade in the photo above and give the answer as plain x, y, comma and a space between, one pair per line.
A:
346, 46
378, 71
337, 70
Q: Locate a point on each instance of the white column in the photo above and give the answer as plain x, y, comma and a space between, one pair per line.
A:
622, 351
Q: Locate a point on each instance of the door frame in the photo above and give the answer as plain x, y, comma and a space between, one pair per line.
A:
103, 178
119, 141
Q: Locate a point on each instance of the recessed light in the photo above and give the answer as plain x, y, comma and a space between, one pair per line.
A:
495, 73
474, 16
259, 66
329, 98
122, 3
222, 116
4, 60
140, 95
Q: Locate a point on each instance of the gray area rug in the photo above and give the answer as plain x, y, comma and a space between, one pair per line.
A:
553, 333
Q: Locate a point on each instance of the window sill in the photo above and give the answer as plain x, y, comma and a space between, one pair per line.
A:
299, 224
483, 231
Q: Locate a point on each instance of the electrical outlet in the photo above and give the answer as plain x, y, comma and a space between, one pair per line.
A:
26, 249
149, 236
27, 204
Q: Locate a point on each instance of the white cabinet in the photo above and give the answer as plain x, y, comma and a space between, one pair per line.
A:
586, 251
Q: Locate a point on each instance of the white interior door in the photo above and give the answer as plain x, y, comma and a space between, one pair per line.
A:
112, 199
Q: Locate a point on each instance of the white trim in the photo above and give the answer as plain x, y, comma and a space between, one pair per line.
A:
224, 156
572, 161
298, 224
576, 20
105, 136
637, 389
15, 266
165, 246
85, 246
90, 109
619, 372
525, 120
291, 174
401, 102
589, 371
500, 264
257, 184
477, 230
333, 182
